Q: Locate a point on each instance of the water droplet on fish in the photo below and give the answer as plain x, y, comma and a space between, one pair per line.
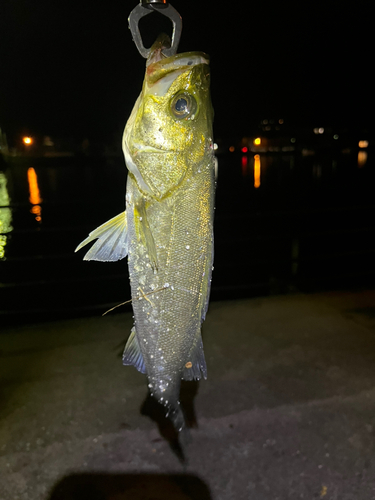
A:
151, 356
172, 287
166, 285
150, 386
187, 247
140, 218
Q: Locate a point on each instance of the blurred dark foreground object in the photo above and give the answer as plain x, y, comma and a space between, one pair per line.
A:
131, 486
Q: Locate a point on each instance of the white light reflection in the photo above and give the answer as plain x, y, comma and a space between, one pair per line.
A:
5, 214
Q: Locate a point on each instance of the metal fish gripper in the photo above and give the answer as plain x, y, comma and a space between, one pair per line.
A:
146, 7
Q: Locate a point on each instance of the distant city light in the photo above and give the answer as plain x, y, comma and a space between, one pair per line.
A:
215, 146
265, 122
336, 137
256, 171
363, 144
319, 130
244, 149
257, 141
27, 141
293, 140
281, 121
231, 149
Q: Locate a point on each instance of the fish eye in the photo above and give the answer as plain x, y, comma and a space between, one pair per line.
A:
183, 106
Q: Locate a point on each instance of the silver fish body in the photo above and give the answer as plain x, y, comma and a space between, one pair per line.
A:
171, 303
167, 229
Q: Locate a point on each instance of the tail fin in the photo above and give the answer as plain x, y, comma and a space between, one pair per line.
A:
176, 415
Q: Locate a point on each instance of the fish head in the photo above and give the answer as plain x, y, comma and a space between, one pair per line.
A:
169, 131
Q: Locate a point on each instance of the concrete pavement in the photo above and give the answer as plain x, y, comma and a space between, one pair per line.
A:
287, 412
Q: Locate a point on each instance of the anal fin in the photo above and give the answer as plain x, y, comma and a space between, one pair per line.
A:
132, 353
112, 241
195, 367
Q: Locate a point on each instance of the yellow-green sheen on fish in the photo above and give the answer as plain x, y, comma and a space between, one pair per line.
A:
167, 229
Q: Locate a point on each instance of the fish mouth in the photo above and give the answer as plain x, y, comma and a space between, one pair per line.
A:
167, 69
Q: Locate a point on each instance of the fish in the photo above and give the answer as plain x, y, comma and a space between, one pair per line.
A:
166, 230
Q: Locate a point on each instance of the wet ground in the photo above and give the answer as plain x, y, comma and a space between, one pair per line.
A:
286, 413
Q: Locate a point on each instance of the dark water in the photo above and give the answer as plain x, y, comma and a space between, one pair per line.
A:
283, 223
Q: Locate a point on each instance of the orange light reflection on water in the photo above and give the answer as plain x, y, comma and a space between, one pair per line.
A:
362, 158
257, 167
34, 198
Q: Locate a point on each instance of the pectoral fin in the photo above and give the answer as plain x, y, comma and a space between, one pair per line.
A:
112, 241
132, 353
144, 233
195, 368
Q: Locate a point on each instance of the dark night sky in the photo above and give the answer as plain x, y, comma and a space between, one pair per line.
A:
70, 67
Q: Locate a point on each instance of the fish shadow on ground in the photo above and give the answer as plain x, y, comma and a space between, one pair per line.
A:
101, 486
154, 410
